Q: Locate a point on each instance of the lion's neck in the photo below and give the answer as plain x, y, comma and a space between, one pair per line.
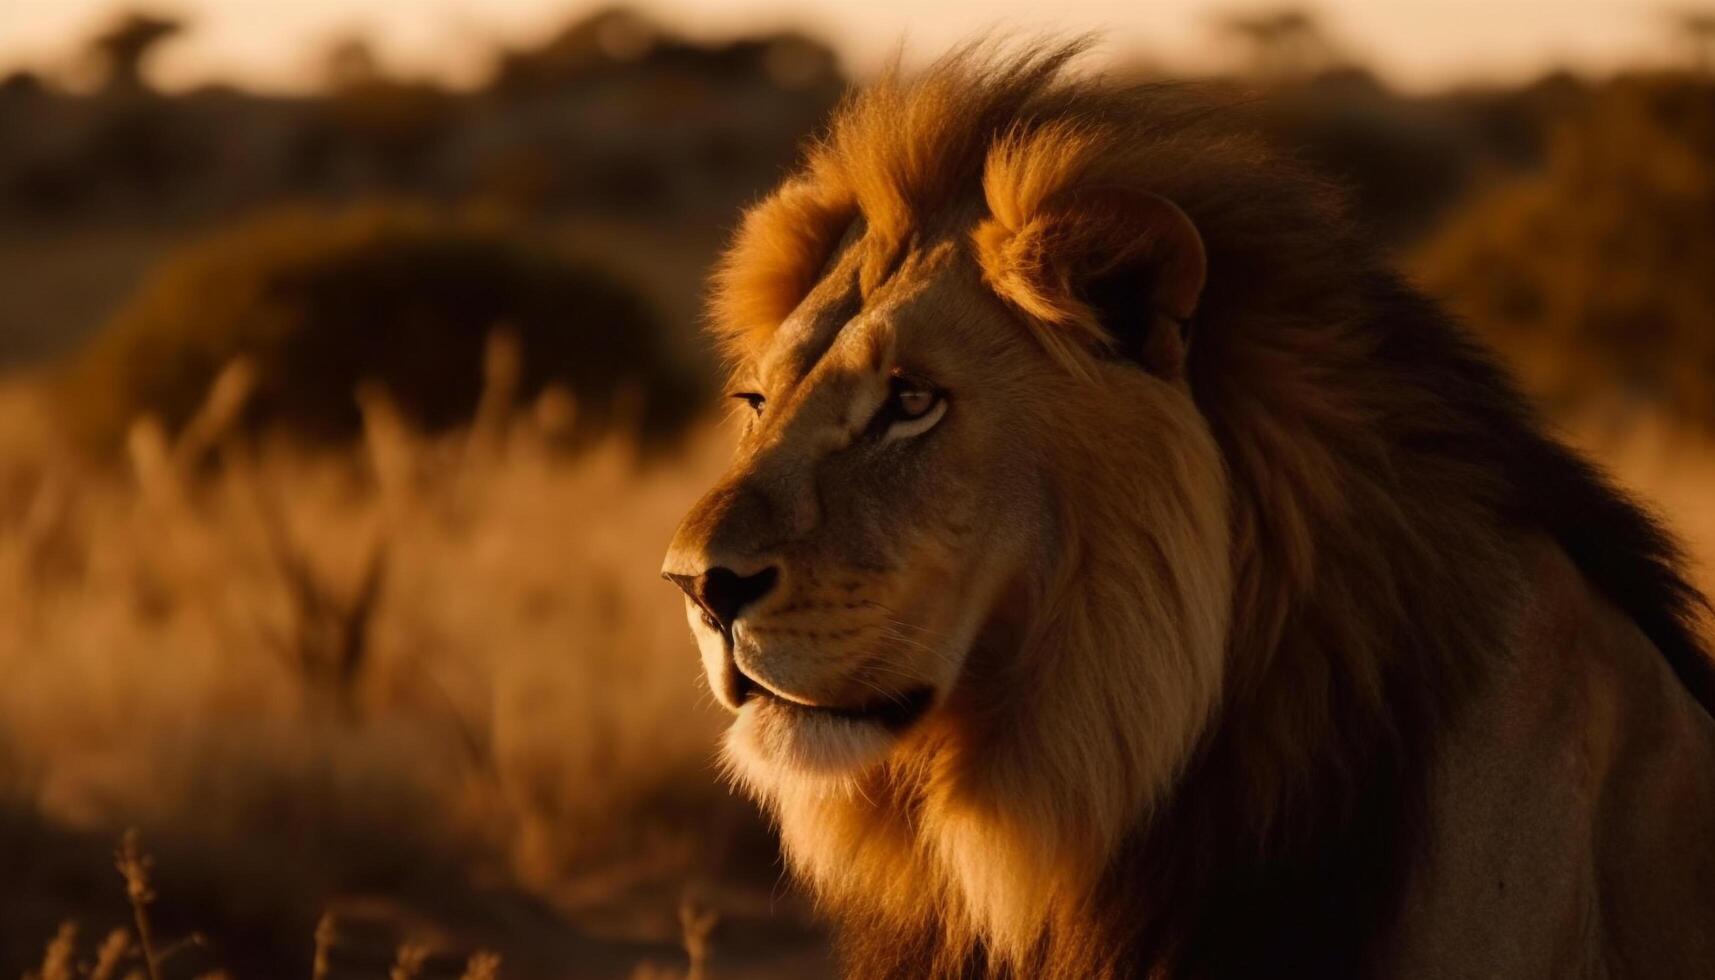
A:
1006, 811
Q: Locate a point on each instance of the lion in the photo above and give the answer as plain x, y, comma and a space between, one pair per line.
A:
1123, 572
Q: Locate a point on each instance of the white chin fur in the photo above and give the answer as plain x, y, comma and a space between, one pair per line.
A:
771, 741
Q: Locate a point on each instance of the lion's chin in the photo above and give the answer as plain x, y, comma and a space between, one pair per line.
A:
773, 738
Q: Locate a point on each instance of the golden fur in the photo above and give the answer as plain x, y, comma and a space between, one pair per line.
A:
1193, 619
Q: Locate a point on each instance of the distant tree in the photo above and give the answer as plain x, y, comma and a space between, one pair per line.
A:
1696, 29
122, 50
620, 43
600, 40
349, 63
1287, 43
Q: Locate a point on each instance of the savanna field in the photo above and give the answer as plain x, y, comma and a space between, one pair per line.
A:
341, 437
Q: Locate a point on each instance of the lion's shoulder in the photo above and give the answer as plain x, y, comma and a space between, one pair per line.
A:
1574, 796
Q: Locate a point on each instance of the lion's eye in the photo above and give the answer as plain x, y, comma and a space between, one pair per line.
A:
754, 399
912, 401
912, 407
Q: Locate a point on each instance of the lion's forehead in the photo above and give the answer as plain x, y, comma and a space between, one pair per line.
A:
804, 338
838, 324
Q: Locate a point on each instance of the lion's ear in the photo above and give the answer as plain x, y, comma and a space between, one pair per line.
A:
1122, 269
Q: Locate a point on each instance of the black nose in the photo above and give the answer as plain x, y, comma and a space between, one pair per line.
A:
723, 593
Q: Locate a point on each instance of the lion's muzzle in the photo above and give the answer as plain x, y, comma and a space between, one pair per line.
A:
719, 596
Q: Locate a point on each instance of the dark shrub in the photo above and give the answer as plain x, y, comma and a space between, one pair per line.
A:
320, 303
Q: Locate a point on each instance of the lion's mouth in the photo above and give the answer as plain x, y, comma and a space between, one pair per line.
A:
894, 712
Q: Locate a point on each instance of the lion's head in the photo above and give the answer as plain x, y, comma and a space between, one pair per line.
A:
913, 499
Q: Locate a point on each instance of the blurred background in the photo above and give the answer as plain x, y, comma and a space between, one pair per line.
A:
351, 386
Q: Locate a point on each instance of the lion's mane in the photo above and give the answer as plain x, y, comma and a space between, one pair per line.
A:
1377, 465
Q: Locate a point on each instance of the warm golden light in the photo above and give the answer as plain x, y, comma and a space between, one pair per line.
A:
1091, 458
1421, 43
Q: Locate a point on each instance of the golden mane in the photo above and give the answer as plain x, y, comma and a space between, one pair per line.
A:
1378, 466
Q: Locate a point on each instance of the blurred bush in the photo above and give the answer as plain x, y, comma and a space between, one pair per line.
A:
320, 303
379, 131
1408, 159
1598, 274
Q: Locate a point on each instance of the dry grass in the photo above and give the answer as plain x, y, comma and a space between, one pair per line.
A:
134, 947
405, 679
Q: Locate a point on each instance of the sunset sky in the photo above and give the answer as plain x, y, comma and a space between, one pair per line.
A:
1417, 43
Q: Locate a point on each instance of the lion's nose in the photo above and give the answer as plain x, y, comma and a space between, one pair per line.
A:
723, 593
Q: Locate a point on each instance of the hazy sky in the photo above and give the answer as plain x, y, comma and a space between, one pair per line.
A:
1418, 43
